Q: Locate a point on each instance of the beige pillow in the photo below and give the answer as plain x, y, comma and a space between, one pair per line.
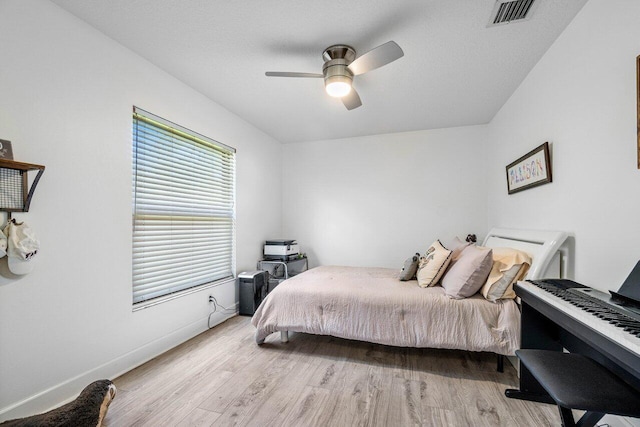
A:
469, 273
509, 266
433, 264
502, 288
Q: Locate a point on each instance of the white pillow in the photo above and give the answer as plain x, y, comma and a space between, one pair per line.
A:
433, 264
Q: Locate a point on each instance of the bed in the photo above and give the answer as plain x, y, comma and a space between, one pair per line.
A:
371, 304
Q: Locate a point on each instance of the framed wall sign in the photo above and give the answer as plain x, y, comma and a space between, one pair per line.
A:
530, 170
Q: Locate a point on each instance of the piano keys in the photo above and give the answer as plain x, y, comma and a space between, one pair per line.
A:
562, 314
596, 309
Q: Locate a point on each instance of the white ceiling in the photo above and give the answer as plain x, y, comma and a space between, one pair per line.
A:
455, 71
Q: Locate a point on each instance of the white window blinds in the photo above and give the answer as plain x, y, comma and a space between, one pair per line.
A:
183, 208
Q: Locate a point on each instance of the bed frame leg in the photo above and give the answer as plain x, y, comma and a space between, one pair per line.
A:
284, 336
500, 363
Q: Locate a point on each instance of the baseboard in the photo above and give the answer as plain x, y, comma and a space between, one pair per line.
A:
68, 390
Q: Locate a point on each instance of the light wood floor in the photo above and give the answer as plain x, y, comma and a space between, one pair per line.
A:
222, 377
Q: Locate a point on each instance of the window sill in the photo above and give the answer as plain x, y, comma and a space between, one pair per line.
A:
161, 300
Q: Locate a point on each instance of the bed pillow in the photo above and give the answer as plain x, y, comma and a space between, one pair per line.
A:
433, 264
502, 288
509, 266
456, 250
409, 268
469, 273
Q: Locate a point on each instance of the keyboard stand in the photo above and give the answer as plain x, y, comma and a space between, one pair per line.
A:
535, 334
547, 327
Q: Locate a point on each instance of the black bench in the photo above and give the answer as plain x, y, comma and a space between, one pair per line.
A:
576, 382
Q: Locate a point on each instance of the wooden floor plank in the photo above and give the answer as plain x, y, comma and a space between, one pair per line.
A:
241, 410
308, 408
281, 401
406, 400
187, 397
223, 378
199, 418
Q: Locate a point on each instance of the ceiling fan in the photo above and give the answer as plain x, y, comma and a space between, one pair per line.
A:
341, 65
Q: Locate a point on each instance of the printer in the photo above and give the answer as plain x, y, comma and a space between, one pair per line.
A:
281, 249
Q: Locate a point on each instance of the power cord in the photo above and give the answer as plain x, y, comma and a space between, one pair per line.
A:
217, 305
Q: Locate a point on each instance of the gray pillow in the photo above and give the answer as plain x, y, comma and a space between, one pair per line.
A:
469, 273
409, 268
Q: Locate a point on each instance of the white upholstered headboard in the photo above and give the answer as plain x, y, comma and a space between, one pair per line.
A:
546, 248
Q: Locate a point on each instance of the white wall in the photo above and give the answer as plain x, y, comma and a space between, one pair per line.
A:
66, 96
370, 201
581, 97
376, 200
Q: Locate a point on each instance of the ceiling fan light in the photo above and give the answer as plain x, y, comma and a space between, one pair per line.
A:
338, 86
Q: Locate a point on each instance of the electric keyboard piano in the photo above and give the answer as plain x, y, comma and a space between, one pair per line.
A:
559, 314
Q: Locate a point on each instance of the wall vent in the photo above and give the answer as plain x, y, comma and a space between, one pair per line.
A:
506, 11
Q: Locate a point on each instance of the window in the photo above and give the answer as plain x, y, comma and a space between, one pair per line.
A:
183, 208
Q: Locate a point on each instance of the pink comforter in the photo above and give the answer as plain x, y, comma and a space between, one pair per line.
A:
371, 304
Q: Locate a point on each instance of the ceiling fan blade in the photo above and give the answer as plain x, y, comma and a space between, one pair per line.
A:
376, 58
286, 74
352, 100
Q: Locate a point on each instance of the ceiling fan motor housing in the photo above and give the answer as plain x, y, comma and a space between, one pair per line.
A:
335, 69
339, 51
341, 65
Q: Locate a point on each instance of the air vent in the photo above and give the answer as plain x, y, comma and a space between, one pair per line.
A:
506, 11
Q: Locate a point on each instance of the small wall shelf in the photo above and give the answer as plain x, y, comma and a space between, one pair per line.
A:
15, 194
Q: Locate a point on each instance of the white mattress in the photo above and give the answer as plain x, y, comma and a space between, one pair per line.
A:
371, 304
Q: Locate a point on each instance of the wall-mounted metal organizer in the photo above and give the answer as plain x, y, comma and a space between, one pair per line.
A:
15, 194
